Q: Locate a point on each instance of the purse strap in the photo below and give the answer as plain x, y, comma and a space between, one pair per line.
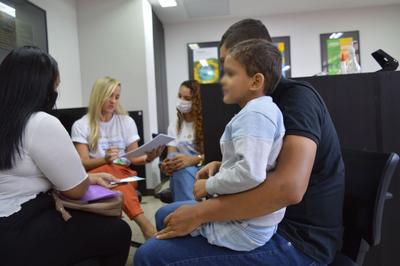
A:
60, 206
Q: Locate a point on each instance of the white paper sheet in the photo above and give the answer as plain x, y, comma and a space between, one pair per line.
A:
126, 180
160, 140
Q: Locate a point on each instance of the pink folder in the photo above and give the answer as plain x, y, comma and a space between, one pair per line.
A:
97, 192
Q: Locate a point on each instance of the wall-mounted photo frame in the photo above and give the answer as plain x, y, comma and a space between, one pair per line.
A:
283, 45
204, 65
340, 52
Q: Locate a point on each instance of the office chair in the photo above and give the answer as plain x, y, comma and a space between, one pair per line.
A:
367, 179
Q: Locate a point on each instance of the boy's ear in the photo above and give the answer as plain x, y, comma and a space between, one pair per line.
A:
258, 82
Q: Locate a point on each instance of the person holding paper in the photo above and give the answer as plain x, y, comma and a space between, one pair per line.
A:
37, 155
103, 135
185, 153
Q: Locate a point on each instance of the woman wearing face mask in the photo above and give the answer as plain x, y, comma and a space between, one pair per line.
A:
185, 153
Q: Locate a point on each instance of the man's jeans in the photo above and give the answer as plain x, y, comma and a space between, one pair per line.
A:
193, 251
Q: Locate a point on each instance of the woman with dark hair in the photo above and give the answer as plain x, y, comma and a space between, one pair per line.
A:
185, 153
37, 155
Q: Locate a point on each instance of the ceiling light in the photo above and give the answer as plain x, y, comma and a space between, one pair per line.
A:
203, 62
338, 35
194, 46
167, 3
7, 9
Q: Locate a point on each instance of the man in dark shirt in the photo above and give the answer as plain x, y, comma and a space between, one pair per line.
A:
308, 180
313, 225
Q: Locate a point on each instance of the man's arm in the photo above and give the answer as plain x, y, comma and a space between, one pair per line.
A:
285, 186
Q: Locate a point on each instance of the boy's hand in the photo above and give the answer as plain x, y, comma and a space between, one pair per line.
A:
208, 170
199, 189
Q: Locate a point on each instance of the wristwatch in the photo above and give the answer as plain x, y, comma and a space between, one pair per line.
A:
201, 157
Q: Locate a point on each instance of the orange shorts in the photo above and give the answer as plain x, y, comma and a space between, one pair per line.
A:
131, 201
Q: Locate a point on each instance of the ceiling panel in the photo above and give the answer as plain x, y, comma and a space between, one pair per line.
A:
189, 10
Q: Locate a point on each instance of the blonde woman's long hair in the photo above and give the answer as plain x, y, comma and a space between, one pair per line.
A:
102, 89
197, 115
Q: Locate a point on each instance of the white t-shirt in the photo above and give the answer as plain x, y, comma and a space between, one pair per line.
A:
119, 132
48, 159
184, 140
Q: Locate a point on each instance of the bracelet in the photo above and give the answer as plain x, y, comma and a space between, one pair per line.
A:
201, 160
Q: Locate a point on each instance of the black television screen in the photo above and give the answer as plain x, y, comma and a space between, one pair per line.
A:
21, 23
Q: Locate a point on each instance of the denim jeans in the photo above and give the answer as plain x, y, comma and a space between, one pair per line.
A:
182, 182
196, 251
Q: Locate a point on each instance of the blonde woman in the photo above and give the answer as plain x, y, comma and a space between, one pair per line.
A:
105, 133
185, 153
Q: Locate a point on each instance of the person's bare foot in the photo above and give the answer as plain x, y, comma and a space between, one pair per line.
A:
147, 228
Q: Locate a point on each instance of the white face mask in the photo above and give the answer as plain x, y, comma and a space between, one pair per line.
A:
183, 106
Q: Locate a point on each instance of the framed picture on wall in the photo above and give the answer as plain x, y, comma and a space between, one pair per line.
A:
283, 45
340, 52
204, 65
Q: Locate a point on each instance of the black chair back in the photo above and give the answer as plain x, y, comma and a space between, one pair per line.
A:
68, 116
368, 175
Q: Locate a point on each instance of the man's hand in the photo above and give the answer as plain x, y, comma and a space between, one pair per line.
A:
181, 222
199, 189
208, 170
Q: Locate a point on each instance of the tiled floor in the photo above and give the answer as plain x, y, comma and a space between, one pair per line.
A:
150, 205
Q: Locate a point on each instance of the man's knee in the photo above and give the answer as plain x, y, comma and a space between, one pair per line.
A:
143, 255
163, 212
160, 216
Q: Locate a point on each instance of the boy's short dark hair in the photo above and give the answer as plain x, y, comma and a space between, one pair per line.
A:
243, 30
259, 56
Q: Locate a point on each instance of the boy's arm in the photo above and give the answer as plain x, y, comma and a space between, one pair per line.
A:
248, 144
248, 172
285, 186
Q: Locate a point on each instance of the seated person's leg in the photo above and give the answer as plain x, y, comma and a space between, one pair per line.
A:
44, 238
167, 209
182, 182
131, 203
193, 251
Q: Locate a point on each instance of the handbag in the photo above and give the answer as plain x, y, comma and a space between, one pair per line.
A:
100, 203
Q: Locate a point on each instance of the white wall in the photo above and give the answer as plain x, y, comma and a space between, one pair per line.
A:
378, 26
64, 47
115, 39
